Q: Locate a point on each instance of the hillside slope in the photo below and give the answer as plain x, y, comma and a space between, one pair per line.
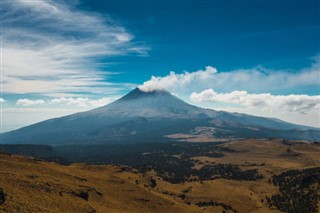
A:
288, 180
30, 185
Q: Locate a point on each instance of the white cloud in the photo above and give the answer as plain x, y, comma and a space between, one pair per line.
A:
78, 102
257, 79
33, 111
252, 91
264, 101
174, 80
2, 100
81, 102
75, 102
27, 102
101, 102
51, 47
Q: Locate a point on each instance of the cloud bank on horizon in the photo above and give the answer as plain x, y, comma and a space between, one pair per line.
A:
241, 88
258, 79
264, 101
71, 102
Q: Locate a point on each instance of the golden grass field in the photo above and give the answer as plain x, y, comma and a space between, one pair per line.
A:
32, 185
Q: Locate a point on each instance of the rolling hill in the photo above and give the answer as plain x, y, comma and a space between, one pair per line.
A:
252, 176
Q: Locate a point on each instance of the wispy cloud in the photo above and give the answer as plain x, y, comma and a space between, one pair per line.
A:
258, 79
264, 101
52, 47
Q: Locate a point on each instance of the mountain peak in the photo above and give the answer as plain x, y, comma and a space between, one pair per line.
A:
156, 104
139, 93
145, 116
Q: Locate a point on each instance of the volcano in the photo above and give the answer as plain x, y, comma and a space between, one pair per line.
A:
154, 116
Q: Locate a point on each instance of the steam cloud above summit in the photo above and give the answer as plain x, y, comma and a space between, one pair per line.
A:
174, 81
255, 80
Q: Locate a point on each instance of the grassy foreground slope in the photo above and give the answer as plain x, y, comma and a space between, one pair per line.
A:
30, 185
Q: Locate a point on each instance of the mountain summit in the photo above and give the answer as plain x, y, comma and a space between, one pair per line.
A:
153, 104
153, 116
139, 93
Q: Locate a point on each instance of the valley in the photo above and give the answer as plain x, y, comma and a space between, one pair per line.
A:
266, 175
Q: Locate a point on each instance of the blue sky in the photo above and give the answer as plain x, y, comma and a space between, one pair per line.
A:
257, 57
229, 34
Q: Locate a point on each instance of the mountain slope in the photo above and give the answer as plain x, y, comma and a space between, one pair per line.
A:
150, 116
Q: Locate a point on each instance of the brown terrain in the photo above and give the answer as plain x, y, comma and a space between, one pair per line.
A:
32, 185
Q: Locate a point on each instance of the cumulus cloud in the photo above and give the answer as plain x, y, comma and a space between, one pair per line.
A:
28, 102
53, 47
253, 91
78, 102
101, 102
258, 79
265, 101
82, 102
